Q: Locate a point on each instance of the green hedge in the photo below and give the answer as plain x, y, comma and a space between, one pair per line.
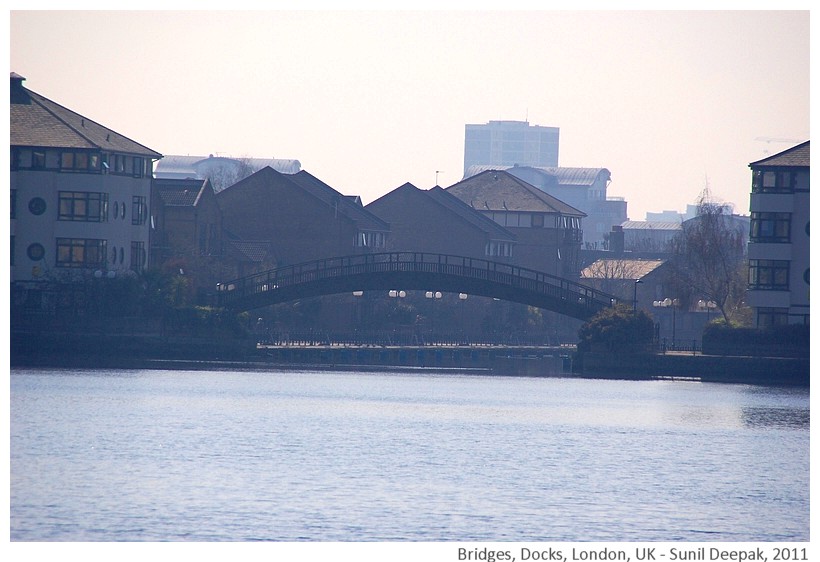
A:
720, 338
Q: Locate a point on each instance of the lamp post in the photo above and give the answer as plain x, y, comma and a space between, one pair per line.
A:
708, 306
462, 297
432, 295
668, 303
635, 297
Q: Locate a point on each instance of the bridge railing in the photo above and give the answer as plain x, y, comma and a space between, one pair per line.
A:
413, 262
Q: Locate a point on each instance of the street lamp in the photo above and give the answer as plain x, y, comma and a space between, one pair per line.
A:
432, 295
635, 297
668, 303
462, 297
708, 306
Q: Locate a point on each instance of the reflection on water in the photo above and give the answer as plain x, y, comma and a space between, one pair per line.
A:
782, 418
324, 456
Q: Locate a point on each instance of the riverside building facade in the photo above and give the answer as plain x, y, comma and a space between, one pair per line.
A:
778, 246
80, 199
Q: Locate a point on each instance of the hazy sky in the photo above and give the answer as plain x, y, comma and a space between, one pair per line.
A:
369, 100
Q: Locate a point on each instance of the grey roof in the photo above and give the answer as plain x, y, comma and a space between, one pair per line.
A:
620, 268
796, 156
563, 176
348, 206
36, 121
453, 205
250, 250
651, 225
467, 213
180, 193
498, 190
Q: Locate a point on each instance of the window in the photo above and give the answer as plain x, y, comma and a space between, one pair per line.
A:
14, 203
139, 210
37, 206
138, 256
370, 239
36, 252
772, 275
495, 248
772, 181
80, 252
767, 317
81, 161
83, 206
770, 227
538, 220
38, 159
137, 167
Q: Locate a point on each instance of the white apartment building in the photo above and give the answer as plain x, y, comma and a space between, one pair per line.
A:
79, 196
779, 238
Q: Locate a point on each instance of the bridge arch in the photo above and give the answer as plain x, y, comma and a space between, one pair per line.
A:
413, 271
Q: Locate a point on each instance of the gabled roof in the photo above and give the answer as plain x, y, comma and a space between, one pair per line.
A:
468, 214
345, 206
181, 193
794, 157
562, 176
619, 268
255, 251
36, 121
498, 190
651, 225
365, 219
454, 206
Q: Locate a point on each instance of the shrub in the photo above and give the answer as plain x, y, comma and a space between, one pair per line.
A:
617, 329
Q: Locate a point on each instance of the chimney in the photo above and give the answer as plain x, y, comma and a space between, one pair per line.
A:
616, 239
18, 93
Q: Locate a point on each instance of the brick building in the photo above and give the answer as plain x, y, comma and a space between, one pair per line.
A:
438, 222
547, 231
300, 216
187, 235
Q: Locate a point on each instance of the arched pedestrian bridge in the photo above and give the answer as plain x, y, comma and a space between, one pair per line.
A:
413, 271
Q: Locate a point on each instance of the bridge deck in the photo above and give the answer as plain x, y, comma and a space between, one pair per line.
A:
413, 271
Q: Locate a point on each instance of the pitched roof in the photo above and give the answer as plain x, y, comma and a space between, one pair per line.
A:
250, 250
469, 214
498, 190
651, 225
36, 121
614, 268
456, 207
796, 156
562, 176
365, 220
180, 193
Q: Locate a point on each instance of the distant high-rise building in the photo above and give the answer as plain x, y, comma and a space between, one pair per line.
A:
510, 143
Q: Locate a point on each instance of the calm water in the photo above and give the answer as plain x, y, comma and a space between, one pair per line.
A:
324, 456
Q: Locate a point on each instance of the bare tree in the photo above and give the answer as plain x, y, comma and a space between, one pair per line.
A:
708, 258
228, 171
615, 276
